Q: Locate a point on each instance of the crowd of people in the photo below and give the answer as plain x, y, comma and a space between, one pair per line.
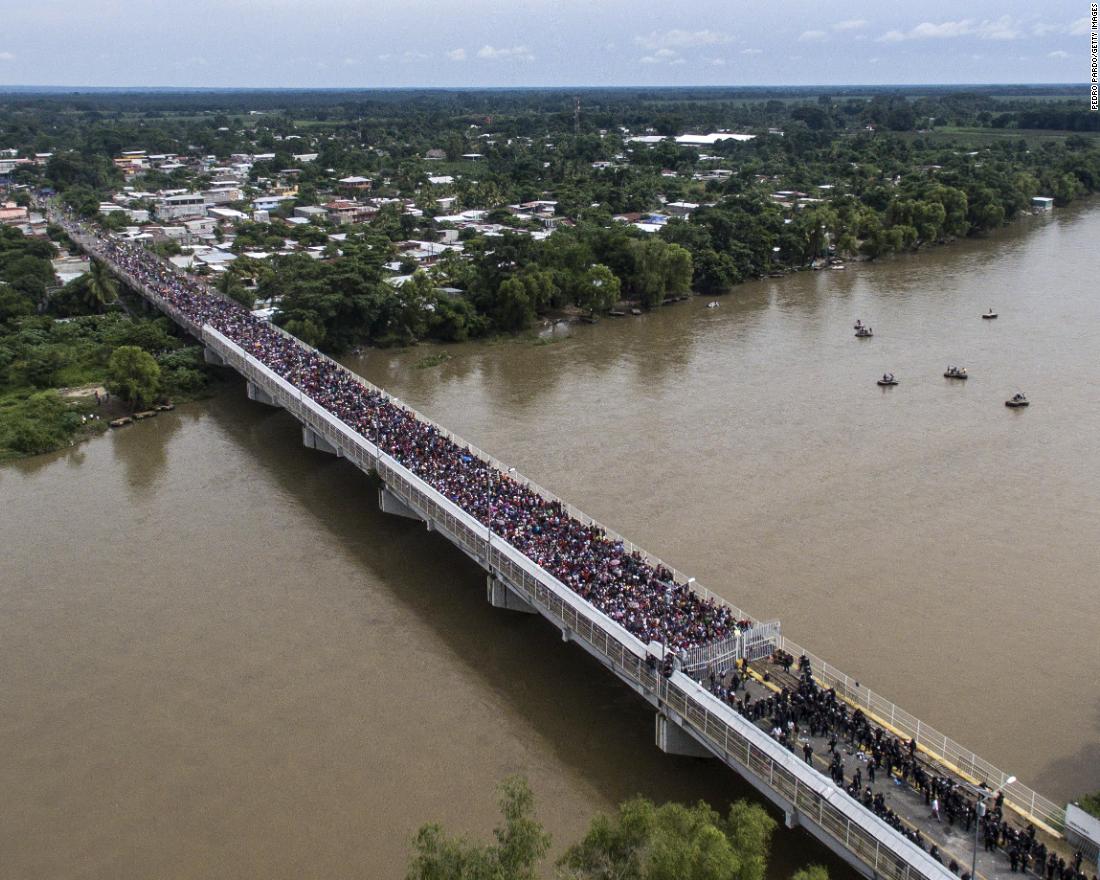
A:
643, 598
803, 711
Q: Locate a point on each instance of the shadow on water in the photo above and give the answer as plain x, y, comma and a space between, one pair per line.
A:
142, 452
585, 716
1084, 765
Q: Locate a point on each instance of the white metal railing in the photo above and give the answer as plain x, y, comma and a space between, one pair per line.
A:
736, 740
1024, 799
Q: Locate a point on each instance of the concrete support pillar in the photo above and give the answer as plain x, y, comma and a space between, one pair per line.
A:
212, 357
390, 503
500, 596
674, 740
256, 393
790, 818
312, 440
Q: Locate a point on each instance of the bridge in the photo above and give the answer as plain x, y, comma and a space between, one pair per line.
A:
694, 712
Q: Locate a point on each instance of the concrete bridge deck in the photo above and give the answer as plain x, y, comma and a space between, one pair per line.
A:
690, 720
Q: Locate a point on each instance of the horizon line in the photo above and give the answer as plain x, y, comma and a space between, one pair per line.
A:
79, 89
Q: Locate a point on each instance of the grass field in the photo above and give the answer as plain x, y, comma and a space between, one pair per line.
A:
984, 136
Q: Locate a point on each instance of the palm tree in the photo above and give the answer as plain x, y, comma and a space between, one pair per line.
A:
100, 288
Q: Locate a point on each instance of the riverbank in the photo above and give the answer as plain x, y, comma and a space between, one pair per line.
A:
54, 377
916, 540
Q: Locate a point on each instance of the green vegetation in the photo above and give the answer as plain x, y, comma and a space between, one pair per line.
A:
133, 374
1090, 803
641, 841
841, 173
432, 360
57, 339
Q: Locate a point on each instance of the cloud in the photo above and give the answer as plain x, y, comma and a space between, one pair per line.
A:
812, 36
1082, 26
1003, 28
351, 62
519, 53
1041, 29
680, 39
7, 56
410, 56
752, 51
1058, 53
662, 56
457, 54
718, 62
852, 24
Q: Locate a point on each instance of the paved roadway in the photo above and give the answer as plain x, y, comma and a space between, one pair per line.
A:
954, 842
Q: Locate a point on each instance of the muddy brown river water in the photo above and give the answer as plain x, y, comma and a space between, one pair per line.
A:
218, 659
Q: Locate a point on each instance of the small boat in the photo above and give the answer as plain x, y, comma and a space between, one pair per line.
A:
635, 312
838, 267
165, 407
144, 414
955, 373
864, 333
1017, 400
713, 304
617, 313
887, 379
590, 319
118, 423
776, 274
858, 325
989, 315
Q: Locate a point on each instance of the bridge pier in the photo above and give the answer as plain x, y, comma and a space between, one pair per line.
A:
790, 818
212, 357
674, 740
256, 393
312, 440
390, 503
500, 595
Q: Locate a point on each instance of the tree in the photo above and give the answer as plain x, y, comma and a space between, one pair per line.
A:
520, 844
672, 842
659, 269
133, 375
100, 287
512, 308
229, 284
811, 872
598, 289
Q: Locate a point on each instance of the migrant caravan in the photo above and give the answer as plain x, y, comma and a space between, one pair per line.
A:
646, 600
620, 600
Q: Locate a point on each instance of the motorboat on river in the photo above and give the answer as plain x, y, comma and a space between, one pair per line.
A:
887, 379
1017, 400
990, 315
713, 304
955, 373
864, 333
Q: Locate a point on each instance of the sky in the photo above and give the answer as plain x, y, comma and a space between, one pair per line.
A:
464, 43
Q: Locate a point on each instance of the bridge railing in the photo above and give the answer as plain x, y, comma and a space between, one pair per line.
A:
761, 640
765, 638
717, 655
732, 737
654, 561
1020, 797
577, 613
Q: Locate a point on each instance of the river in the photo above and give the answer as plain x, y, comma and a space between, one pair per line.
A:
219, 660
